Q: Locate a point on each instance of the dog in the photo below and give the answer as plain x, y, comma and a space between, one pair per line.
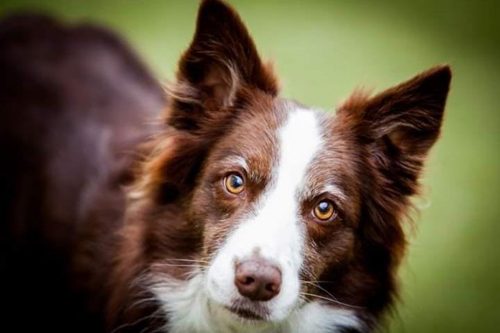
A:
239, 211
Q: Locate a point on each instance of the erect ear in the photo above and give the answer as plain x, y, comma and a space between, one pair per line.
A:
401, 124
408, 116
395, 130
221, 60
216, 72
392, 133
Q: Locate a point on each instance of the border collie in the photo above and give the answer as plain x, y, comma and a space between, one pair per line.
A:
242, 211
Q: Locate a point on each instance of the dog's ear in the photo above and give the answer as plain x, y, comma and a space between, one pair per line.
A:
221, 60
396, 128
407, 116
217, 71
390, 135
402, 123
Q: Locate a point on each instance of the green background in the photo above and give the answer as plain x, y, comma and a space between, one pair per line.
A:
325, 49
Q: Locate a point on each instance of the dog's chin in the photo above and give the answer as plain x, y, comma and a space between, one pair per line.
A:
244, 310
247, 311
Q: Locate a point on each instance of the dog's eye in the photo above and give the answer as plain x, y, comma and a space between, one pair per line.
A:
234, 183
324, 211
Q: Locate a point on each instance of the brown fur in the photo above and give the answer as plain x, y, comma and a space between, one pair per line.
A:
225, 102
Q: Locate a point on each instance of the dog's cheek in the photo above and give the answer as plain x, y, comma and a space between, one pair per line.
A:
333, 251
214, 237
218, 227
213, 212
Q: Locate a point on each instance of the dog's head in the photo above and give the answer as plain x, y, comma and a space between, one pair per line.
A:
277, 204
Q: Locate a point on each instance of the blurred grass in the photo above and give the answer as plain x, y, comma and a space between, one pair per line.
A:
324, 49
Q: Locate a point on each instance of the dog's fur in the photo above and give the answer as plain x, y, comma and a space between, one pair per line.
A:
111, 224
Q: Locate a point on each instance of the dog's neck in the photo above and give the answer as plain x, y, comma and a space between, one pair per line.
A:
189, 309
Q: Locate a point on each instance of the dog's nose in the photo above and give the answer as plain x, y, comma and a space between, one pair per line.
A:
257, 279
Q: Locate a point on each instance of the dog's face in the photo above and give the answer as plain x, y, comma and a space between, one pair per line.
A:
283, 205
279, 199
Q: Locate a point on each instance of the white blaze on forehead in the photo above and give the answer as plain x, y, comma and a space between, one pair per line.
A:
274, 228
300, 139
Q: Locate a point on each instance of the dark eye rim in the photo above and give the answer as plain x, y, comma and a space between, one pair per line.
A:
229, 174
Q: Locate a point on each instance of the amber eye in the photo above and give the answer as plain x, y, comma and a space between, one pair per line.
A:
234, 183
324, 210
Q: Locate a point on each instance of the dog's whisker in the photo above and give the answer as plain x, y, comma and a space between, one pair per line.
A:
154, 315
327, 292
317, 281
188, 259
141, 302
331, 300
176, 265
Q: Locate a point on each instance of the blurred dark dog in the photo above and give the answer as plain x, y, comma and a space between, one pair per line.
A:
74, 102
239, 211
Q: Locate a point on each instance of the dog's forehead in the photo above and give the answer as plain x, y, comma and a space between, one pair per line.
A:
275, 132
257, 133
272, 135
337, 168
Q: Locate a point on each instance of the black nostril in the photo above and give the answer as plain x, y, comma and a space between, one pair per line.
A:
249, 280
257, 279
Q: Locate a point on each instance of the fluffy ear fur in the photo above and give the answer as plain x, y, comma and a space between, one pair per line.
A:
400, 125
221, 60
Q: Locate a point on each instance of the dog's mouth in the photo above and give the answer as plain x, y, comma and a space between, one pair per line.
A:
246, 314
248, 311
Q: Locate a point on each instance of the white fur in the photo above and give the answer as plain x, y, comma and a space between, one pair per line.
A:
190, 310
274, 230
318, 318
